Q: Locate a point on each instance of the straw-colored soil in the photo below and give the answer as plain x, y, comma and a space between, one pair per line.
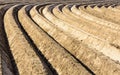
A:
59, 38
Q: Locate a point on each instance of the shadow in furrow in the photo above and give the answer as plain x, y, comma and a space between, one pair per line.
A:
5, 50
79, 61
28, 38
69, 7
60, 7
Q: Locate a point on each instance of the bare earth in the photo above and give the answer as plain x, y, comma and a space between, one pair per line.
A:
57, 37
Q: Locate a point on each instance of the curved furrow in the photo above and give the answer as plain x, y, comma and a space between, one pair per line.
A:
67, 11
59, 38
67, 15
7, 65
94, 19
67, 28
27, 61
79, 21
108, 14
92, 29
104, 33
73, 46
101, 46
57, 34
59, 58
86, 28
54, 18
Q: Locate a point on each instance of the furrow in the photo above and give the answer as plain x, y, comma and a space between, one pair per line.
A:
111, 14
101, 46
7, 64
101, 15
104, 32
27, 61
60, 37
41, 56
81, 51
60, 59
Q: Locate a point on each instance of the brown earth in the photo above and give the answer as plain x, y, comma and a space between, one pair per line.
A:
52, 37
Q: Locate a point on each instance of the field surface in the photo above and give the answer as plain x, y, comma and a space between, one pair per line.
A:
55, 37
